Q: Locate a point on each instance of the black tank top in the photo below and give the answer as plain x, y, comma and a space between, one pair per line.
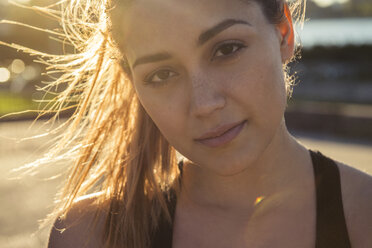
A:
331, 229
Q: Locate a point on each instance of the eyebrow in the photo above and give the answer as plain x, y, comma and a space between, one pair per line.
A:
152, 58
210, 33
203, 38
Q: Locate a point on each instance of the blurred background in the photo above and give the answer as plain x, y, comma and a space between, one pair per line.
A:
331, 107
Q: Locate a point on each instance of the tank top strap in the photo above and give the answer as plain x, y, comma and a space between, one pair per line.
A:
331, 229
163, 234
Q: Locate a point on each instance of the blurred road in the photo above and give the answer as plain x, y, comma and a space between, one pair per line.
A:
351, 152
24, 202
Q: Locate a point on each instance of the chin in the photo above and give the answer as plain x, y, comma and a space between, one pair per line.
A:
239, 157
226, 165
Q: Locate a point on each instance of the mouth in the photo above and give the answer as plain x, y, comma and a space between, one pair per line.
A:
221, 135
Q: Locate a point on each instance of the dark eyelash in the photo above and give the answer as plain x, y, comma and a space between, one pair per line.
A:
148, 79
234, 43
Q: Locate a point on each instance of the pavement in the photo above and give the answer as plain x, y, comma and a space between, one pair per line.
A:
27, 199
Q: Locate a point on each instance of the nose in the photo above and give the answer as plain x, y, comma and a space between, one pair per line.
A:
206, 96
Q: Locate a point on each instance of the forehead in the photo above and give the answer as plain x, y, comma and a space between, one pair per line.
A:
154, 24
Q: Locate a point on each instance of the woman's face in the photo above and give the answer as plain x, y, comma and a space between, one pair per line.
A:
209, 74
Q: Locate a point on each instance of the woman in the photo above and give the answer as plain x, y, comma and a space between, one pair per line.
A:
206, 78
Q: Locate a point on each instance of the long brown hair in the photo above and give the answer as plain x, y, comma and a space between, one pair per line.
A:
115, 147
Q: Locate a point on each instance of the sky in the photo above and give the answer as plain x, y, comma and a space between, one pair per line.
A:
326, 3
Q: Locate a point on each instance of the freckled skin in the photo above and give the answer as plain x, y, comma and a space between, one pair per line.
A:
205, 93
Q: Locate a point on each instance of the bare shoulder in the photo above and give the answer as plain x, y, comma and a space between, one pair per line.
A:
81, 227
357, 199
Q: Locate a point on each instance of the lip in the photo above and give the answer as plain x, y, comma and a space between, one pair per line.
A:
221, 135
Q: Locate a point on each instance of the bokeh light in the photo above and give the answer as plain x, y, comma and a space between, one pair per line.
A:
4, 75
17, 66
30, 73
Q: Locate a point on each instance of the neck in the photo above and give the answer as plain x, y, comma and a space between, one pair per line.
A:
275, 171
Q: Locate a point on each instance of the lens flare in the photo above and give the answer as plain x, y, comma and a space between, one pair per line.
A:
259, 200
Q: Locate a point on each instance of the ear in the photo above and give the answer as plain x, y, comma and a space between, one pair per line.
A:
286, 35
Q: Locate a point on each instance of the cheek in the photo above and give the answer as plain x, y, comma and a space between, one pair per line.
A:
258, 88
260, 82
164, 111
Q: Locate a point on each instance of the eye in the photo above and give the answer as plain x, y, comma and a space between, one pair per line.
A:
160, 76
227, 49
